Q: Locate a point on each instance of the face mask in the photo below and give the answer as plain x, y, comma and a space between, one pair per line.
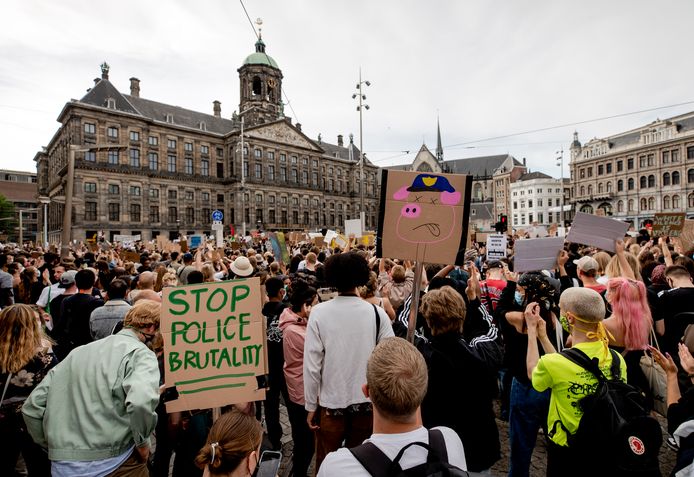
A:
565, 323
518, 297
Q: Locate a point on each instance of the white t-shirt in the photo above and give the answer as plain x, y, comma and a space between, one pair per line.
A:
342, 462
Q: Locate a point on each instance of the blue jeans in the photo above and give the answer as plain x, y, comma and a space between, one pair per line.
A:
528, 412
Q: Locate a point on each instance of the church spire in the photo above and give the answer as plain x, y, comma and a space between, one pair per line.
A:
439, 147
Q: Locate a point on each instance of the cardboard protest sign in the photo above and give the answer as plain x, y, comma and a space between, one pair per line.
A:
423, 217
686, 236
353, 227
275, 244
214, 344
130, 256
537, 231
368, 240
183, 245
195, 241
481, 237
318, 241
669, 225
600, 232
536, 254
496, 246
329, 236
341, 241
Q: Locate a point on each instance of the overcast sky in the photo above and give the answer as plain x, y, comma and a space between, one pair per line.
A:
486, 68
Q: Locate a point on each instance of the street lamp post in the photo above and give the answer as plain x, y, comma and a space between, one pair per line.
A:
560, 163
45, 201
360, 108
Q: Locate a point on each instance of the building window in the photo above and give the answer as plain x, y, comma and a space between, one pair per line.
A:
675, 155
644, 204
295, 176
620, 166
295, 217
134, 135
314, 179
205, 167
651, 181
601, 170
675, 201
283, 158
171, 163
188, 165
154, 193
190, 195
113, 158
257, 153
258, 171
220, 153
204, 149
631, 184
190, 215
539, 204
271, 173
666, 202
89, 128
675, 178
173, 215
690, 152
630, 163
631, 205
620, 206
608, 168
90, 156
114, 212
271, 216
220, 169
153, 161
549, 202
171, 143
135, 157
90, 187
90, 211
271, 155
154, 214
530, 201
651, 160
153, 140
135, 191
666, 179
188, 146
112, 132
620, 185
651, 203
135, 211
245, 169
690, 176
283, 174
293, 159
590, 174
113, 189
205, 196
643, 182
642, 161
690, 200
666, 157
173, 194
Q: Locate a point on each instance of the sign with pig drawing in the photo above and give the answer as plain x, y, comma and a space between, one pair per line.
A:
424, 216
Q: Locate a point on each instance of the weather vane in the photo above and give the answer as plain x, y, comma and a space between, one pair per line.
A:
259, 22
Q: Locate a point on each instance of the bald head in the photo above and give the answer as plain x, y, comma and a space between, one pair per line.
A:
146, 295
146, 281
585, 303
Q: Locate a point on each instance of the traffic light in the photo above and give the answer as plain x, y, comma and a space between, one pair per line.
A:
503, 222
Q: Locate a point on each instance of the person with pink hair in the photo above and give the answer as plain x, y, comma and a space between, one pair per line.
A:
629, 325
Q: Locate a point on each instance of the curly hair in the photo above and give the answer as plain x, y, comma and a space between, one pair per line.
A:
346, 271
20, 337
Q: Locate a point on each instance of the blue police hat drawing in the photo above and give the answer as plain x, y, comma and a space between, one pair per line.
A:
430, 183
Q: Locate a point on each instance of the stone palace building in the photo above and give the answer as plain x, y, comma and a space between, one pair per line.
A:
632, 175
149, 168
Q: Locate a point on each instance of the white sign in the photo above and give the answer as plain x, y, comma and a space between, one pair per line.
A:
601, 232
126, 238
353, 227
536, 254
496, 246
329, 236
217, 226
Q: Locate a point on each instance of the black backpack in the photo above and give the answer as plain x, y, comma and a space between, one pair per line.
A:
616, 427
378, 464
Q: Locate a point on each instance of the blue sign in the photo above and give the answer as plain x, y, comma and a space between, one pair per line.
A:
195, 241
217, 215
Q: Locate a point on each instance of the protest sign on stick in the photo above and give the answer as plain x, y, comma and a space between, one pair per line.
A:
214, 344
669, 225
601, 232
423, 217
353, 228
496, 246
536, 254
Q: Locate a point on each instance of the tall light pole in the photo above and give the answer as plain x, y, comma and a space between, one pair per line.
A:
560, 163
243, 174
44, 200
360, 108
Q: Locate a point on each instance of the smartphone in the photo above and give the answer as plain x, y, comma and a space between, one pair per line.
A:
269, 464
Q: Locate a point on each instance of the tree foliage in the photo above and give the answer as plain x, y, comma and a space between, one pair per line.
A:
8, 217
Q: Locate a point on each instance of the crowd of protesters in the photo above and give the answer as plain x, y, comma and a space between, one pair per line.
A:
81, 358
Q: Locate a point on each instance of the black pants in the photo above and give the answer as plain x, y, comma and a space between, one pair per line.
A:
278, 386
17, 440
565, 462
303, 439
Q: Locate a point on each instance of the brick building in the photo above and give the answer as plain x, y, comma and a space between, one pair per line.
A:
19, 187
632, 175
150, 168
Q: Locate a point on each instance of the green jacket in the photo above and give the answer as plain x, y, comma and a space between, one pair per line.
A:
98, 402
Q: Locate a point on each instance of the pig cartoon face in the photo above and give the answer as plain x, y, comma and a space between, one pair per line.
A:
416, 224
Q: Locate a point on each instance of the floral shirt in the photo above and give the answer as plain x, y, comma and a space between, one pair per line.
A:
23, 382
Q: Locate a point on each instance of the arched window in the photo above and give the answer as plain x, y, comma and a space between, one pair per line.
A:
600, 188
620, 185
478, 191
583, 190
631, 204
666, 179
590, 189
609, 187
651, 203
643, 182
606, 208
644, 204
257, 86
675, 178
651, 181
587, 209
620, 206
675, 201
666, 202
690, 200
631, 184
